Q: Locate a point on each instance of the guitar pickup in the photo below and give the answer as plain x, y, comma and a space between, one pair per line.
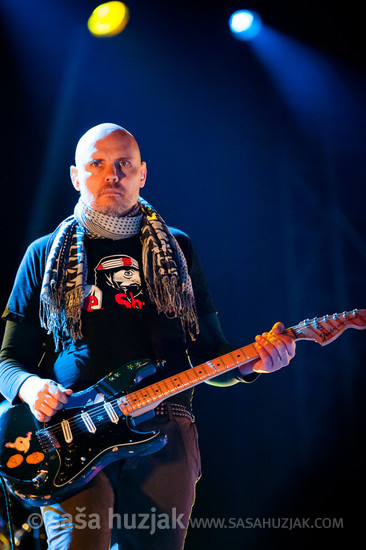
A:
88, 422
66, 430
113, 416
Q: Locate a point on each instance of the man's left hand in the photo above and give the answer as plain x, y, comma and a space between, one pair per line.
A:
275, 349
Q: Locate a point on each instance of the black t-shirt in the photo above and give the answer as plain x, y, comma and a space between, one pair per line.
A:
119, 324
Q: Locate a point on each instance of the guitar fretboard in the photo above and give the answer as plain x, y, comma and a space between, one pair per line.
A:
189, 378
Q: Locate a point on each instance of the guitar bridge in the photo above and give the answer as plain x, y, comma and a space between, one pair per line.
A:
47, 440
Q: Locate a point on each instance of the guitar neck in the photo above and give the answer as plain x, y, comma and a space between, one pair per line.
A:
322, 330
140, 400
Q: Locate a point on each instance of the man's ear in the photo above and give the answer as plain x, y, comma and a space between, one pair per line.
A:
143, 174
74, 177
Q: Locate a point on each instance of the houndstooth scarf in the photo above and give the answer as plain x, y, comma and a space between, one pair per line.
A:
164, 266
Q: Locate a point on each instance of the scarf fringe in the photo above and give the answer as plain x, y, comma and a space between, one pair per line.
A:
61, 315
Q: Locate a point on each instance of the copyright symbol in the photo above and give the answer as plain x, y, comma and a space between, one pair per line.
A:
35, 521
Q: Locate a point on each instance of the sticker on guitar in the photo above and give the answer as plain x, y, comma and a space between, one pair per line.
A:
22, 444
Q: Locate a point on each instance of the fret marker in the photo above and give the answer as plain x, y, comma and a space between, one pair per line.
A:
123, 405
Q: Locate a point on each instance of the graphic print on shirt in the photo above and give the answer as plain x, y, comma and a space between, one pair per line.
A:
121, 274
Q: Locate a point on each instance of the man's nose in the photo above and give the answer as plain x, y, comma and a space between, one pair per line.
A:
112, 173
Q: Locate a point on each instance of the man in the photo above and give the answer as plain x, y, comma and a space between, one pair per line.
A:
83, 339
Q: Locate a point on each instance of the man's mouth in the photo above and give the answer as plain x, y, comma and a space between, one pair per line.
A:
111, 191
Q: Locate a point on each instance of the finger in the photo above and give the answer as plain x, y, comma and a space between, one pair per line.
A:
271, 344
53, 403
266, 361
284, 342
273, 353
279, 346
41, 417
59, 392
290, 346
47, 399
278, 331
63, 397
42, 412
280, 351
278, 328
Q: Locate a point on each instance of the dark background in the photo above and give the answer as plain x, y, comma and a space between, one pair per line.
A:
257, 151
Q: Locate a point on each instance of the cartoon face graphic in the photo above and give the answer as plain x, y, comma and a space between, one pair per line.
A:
124, 278
121, 273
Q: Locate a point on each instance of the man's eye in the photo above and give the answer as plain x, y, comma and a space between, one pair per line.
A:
95, 163
123, 162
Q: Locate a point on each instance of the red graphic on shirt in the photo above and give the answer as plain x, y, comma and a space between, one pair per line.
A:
91, 302
129, 301
118, 272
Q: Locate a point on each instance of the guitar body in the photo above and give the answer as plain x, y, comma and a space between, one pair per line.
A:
44, 463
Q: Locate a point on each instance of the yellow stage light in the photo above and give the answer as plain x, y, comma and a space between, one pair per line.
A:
108, 19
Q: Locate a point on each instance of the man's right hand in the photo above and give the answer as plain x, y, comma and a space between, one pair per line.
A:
44, 397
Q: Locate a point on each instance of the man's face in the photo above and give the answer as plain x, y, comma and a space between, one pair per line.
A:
109, 173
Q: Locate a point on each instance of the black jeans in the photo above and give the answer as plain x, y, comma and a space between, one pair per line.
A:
136, 504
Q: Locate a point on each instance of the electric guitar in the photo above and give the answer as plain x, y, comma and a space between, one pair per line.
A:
44, 463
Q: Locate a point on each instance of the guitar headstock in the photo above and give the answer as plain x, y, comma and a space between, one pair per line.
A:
326, 329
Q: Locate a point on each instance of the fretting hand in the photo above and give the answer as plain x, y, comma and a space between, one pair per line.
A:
275, 350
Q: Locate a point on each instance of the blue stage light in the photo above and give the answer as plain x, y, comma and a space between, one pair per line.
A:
245, 24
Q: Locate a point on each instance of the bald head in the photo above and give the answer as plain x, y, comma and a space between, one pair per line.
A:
86, 144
